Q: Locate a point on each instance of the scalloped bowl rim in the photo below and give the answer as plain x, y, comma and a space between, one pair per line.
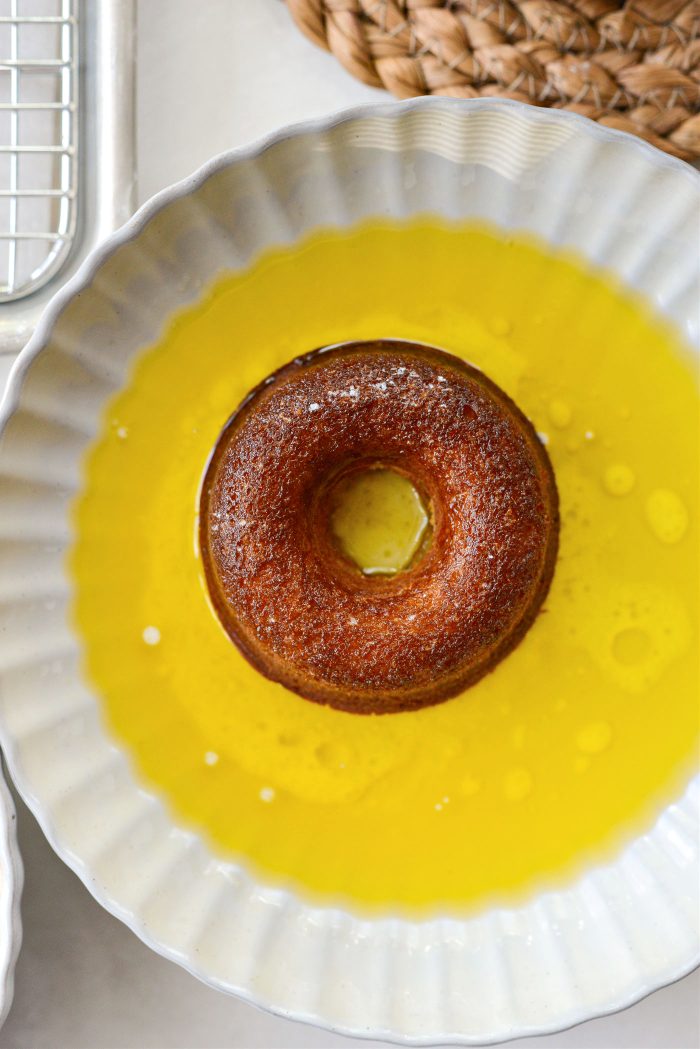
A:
39, 340
11, 879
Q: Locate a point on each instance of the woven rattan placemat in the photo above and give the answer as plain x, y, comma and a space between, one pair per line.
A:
634, 65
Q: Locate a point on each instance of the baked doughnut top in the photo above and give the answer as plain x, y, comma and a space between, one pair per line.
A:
297, 606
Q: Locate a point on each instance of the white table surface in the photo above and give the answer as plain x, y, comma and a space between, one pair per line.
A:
213, 74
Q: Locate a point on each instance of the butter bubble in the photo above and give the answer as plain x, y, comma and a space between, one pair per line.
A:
618, 479
666, 515
594, 738
560, 413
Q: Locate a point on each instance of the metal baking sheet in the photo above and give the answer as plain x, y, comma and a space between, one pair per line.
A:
88, 186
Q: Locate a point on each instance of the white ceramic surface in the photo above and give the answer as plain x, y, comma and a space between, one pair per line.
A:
612, 936
10, 892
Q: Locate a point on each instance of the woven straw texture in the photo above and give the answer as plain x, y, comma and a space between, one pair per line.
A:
633, 66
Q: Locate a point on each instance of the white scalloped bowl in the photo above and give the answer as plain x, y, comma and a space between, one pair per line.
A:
611, 936
11, 877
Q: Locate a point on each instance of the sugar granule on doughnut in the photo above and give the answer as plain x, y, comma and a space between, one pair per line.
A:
284, 590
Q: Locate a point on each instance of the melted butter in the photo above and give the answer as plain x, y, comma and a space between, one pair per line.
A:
667, 515
577, 739
379, 520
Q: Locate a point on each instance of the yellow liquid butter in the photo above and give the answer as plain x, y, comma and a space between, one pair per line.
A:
577, 739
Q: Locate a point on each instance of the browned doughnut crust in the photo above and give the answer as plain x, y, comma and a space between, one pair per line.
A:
302, 613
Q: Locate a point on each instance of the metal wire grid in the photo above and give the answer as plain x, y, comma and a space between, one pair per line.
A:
38, 141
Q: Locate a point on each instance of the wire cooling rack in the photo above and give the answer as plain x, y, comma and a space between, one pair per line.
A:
67, 145
38, 141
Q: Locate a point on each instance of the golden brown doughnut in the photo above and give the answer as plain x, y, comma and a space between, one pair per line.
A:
304, 614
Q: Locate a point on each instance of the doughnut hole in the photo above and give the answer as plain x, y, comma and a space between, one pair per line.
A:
378, 519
